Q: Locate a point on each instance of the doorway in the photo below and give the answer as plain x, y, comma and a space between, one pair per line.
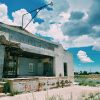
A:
65, 69
47, 69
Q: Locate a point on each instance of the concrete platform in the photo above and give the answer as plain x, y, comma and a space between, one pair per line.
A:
27, 84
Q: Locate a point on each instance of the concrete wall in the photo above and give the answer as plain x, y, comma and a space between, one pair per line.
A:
37, 83
59, 60
39, 69
2, 50
30, 67
25, 66
5, 34
30, 40
70, 64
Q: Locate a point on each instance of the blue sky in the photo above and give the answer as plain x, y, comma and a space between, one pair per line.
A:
94, 55
73, 23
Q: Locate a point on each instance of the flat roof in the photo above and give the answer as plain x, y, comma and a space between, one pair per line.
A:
23, 31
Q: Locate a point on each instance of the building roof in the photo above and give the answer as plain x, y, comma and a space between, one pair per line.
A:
23, 31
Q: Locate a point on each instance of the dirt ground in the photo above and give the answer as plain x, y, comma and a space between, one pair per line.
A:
68, 93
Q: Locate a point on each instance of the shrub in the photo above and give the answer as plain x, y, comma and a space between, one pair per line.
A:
89, 83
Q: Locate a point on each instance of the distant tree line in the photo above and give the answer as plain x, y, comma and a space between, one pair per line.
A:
85, 73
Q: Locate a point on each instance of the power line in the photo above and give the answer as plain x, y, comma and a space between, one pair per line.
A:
37, 11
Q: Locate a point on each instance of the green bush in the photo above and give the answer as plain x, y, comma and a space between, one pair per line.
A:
87, 83
97, 82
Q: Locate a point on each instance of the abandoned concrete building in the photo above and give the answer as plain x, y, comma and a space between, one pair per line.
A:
23, 54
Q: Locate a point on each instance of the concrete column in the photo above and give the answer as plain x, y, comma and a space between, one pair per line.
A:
58, 66
2, 51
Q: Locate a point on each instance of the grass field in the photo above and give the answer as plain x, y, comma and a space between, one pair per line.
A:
90, 80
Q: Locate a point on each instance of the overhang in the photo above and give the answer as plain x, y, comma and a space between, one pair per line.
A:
37, 50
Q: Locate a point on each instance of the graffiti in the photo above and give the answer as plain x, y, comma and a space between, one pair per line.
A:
27, 87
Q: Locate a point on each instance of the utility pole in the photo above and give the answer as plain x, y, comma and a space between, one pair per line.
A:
37, 11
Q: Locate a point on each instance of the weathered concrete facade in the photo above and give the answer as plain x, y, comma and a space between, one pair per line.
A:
1, 59
23, 54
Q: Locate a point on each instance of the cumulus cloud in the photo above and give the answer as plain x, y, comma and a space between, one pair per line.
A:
79, 41
96, 31
83, 41
70, 29
4, 14
82, 55
17, 20
17, 16
45, 28
96, 45
53, 20
54, 32
57, 15
76, 28
80, 32
80, 5
59, 6
76, 15
94, 13
88, 24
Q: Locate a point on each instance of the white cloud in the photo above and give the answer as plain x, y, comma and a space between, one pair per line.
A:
96, 45
82, 55
96, 28
57, 15
17, 15
3, 10
80, 5
17, 19
83, 41
85, 16
59, 6
51, 30
4, 14
79, 41
56, 32
64, 17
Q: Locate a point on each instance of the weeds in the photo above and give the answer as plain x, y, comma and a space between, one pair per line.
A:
87, 83
14, 93
93, 96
